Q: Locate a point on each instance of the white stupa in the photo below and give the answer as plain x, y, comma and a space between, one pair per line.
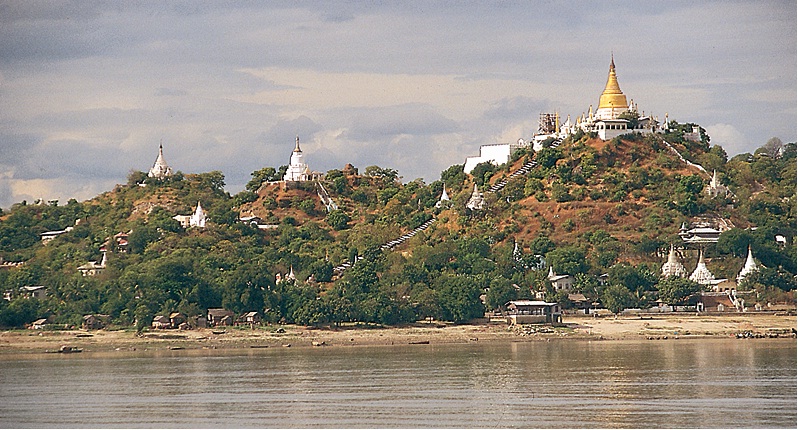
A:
198, 218
160, 169
701, 274
297, 169
673, 267
476, 202
749, 267
444, 198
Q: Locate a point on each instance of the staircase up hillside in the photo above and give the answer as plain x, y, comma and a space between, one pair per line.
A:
338, 270
529, 165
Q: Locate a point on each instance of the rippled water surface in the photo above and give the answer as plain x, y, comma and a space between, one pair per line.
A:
577, 384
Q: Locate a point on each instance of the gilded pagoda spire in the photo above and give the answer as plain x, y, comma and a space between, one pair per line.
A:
612, 97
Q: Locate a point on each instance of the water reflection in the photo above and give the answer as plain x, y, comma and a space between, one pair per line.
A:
674, 383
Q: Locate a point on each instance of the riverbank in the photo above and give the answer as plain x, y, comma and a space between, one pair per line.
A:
648, 327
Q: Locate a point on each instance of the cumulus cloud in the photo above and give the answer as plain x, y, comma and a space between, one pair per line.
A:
729, 137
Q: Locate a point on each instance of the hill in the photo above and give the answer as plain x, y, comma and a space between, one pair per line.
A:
587, 207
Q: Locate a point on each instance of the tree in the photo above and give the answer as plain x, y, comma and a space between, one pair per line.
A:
769, 277
635, 278
773, 148
674, 290
482, 172
616, 298
547, 157
454, 176
568, 260
260, 176
501, 291
337, 219
459, 299
136, 177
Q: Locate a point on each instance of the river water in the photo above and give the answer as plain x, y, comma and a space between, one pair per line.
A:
721, 383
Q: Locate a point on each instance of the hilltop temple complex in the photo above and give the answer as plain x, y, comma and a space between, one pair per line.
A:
608, 121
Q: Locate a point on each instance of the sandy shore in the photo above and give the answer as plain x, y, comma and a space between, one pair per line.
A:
647, 327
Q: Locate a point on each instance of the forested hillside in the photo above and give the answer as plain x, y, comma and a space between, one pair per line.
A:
588, 208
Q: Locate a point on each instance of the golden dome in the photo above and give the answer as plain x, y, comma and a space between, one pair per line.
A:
612, 97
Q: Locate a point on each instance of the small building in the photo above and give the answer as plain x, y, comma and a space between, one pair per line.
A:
121, 240
580, 301
717, 302
444, 200
34, 292
92, 268
4, 265
176, 319
610, 128
161, 322
699, 235
196, 219
673, 267
218, 316
160, 169
249, 318
95, 322
38, 324
560, 282
50, 235
532, 312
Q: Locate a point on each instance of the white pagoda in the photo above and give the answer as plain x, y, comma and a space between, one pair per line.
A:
701, 274
198, 218
298, 170
749, 267
476, 202
673, 267
160, 169
444, 198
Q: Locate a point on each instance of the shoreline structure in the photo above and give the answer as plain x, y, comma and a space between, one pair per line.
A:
650, 327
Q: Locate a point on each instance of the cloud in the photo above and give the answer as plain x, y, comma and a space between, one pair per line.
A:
727, 136
369, 125
88, 90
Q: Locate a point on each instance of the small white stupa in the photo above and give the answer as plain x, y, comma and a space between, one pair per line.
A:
476, 202
715, 188
160, 169
198, 218
444, 198
297, 169
673, 267
749, 267
701, 274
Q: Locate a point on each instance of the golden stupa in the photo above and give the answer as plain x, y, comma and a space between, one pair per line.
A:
613, 98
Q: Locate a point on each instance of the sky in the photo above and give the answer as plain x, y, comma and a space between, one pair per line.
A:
88, 90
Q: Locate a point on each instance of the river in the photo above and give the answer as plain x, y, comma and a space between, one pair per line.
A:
721, 383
